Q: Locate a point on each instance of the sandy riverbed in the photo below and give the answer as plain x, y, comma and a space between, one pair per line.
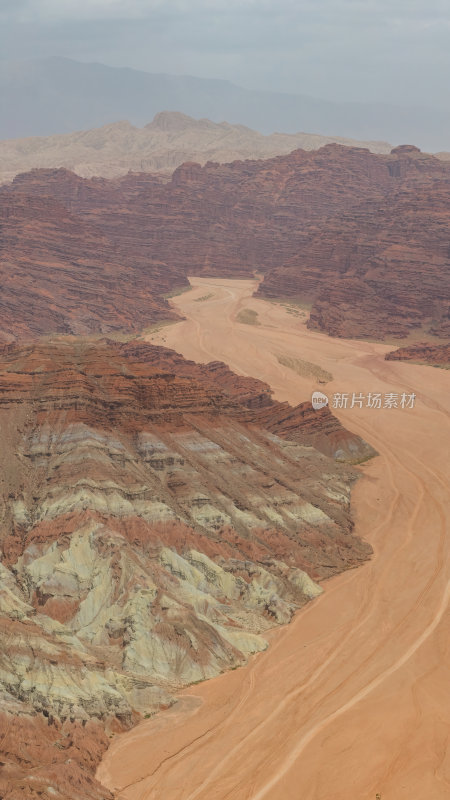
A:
352, 698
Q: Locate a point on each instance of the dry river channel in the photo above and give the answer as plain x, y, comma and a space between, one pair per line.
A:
351, 700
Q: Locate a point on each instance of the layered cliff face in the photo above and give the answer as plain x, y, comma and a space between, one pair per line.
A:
157, 517
381, 270
220, 219
62, 274
350, 232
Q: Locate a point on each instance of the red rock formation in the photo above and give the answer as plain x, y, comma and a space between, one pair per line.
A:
378, 271
354, 233
220, 219
38, 752
147, 540
62, 274
436, 355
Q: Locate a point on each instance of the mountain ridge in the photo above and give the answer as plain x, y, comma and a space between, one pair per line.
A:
338, 228
159, 146
49, 96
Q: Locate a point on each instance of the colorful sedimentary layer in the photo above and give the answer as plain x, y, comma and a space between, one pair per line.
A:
157, 517
381, 270
352, 233
62, 274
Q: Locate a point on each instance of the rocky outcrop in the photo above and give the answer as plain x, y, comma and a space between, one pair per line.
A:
361, 270
436, 355
219, 219
350, 232
320, 429
161, 146
399, 246
44, 757
62, 274
157, 517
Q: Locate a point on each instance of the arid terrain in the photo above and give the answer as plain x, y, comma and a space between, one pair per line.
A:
161, 146
437, 355
348, 233
351, 699
170, 497
224, 400
157, 518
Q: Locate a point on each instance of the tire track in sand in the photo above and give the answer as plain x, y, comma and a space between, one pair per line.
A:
423, 485
307, 738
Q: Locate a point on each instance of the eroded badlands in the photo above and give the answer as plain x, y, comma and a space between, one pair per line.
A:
351, 699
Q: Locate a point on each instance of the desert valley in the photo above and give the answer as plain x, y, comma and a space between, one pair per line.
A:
344, 702
224, 476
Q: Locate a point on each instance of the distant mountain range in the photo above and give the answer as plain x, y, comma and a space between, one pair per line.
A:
58, 95
161, 146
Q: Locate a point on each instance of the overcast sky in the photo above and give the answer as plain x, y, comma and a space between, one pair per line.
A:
392, 50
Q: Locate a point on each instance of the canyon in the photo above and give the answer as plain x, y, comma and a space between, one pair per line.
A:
350, 699
170, 498
341, 230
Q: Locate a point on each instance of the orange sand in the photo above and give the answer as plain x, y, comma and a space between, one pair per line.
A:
352, 698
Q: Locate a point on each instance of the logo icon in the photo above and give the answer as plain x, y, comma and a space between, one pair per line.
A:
319, 400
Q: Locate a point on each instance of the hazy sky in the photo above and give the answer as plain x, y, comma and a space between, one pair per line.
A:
392, 50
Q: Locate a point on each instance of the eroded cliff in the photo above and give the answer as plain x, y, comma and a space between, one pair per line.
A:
62, 274
157, 517
351, 233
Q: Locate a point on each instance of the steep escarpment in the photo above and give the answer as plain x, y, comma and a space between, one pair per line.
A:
156, 518
62, 274
362, 270
220, 219
351, 233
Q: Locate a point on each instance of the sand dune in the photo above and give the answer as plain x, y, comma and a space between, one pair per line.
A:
351, 699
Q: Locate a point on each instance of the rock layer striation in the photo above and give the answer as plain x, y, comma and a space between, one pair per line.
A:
349, 232
157, 517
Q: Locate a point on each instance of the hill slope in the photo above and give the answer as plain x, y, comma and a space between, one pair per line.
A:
160, 146
152, 528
